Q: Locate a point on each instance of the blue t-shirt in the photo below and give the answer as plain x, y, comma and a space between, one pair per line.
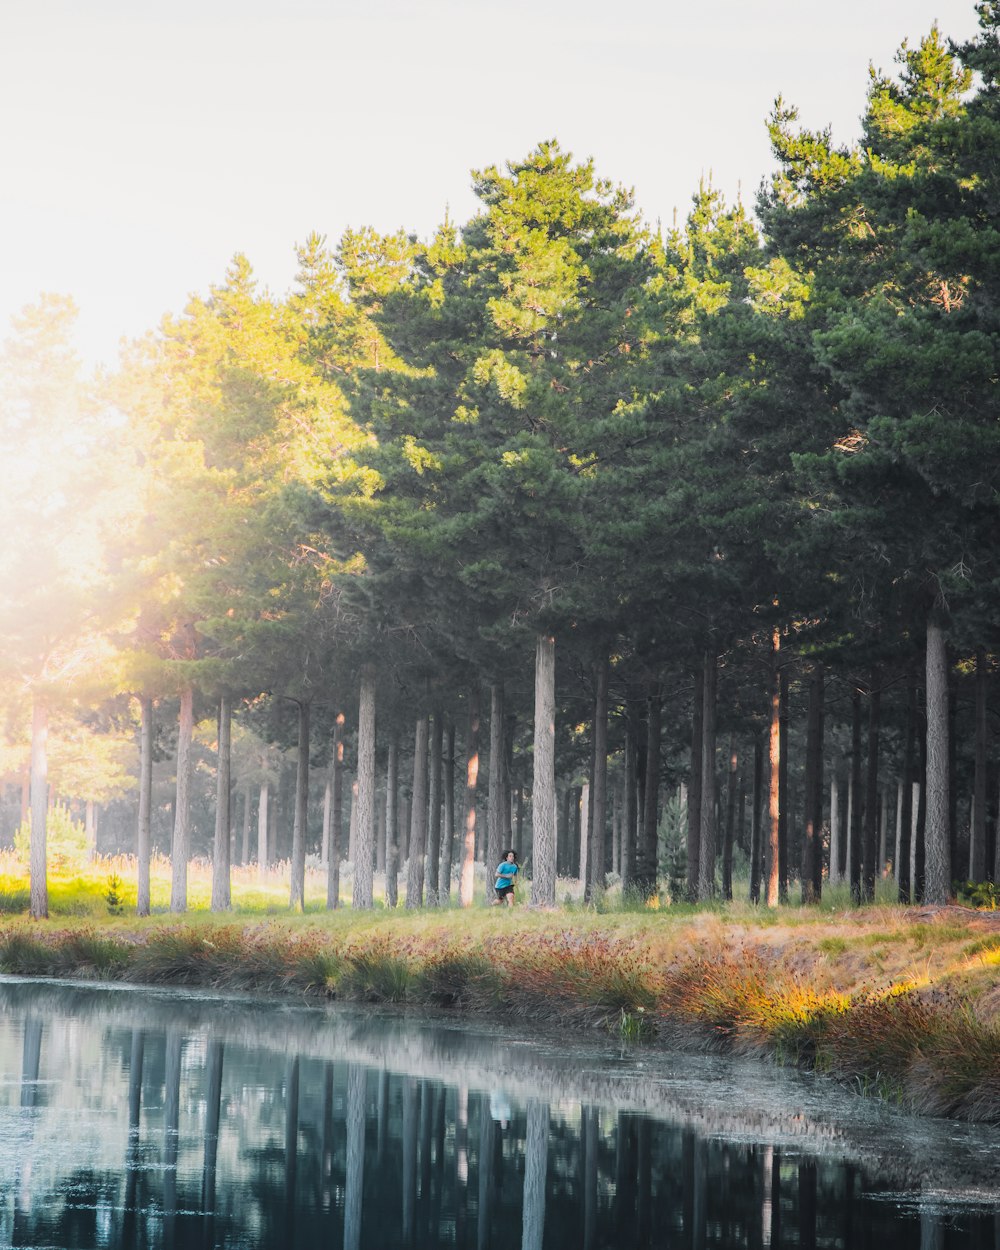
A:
505, 875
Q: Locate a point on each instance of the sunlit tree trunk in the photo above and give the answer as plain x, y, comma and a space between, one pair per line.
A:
297, 890
262, 827
756, 830
363, 867
418, 818
646, 872
630, 807
784, 798
39, 901
466, 886
937, 865
812, 845
732, 797
221, 887
180, 843
543, 790
144, 843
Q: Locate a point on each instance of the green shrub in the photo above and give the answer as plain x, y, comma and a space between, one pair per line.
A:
65, 840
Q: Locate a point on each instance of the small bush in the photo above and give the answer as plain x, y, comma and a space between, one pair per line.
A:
374, 974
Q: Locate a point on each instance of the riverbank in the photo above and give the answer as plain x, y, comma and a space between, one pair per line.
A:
899, 1003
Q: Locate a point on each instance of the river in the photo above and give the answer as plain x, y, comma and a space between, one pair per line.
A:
165, 1118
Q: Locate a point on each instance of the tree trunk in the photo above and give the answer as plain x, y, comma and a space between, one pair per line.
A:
784, 797
180, 844
694, 786
774, 760
39, 887
336, 814
144, 843
362, 895
812, 847
495, 837
756, 831
245, 840
418, 819
646, 875
977, 855
448, 833
543, 793
583, 814
297, 891
599, 793
708, 834
871, 797
262, 828
732, 796
467, 885
835, 828
854, 801
937, 866
392, 822
222, 898
434, 812
630, 808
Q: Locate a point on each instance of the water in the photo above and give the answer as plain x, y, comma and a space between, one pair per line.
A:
163, 1119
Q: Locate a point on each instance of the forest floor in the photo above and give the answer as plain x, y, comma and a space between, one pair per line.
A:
899, 1002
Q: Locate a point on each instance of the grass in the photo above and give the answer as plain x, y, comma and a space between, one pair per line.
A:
893, 1002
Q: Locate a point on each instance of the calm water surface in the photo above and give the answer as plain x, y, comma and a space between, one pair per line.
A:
147, 1119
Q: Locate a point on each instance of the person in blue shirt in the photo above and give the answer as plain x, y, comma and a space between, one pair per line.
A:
504, 883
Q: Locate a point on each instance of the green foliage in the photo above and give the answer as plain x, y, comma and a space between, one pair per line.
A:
65, 838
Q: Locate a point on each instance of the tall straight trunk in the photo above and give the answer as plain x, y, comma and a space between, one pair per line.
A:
584, 814
855, 801
898, 851
180, 843
812, 849
507, 789
774, 760
977, 855
297, 890
434, 810
756, 831
245, 832
784, 795
495, 838
222, 898
883, 832
835, 828
646, 876
392, 821
543, 793
630, 807
362, 896
870, 845
263, 822
917, 837
448, 833
937, 863
732, 796
708, 835
418, 818
336, 814
144, 839
39, 887
519, 824
599, 792
694, 786
324, 853
467, 884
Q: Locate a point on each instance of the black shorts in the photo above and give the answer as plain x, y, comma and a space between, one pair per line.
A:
502, 891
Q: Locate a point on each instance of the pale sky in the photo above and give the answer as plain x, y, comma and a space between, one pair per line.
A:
144, 142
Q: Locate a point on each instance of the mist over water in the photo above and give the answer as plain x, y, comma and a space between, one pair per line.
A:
150, 1118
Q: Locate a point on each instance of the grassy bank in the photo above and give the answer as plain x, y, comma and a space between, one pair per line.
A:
899, 1003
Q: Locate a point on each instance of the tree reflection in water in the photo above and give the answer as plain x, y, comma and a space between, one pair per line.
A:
181, 1122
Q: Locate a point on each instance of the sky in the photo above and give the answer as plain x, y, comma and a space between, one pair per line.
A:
145, 142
